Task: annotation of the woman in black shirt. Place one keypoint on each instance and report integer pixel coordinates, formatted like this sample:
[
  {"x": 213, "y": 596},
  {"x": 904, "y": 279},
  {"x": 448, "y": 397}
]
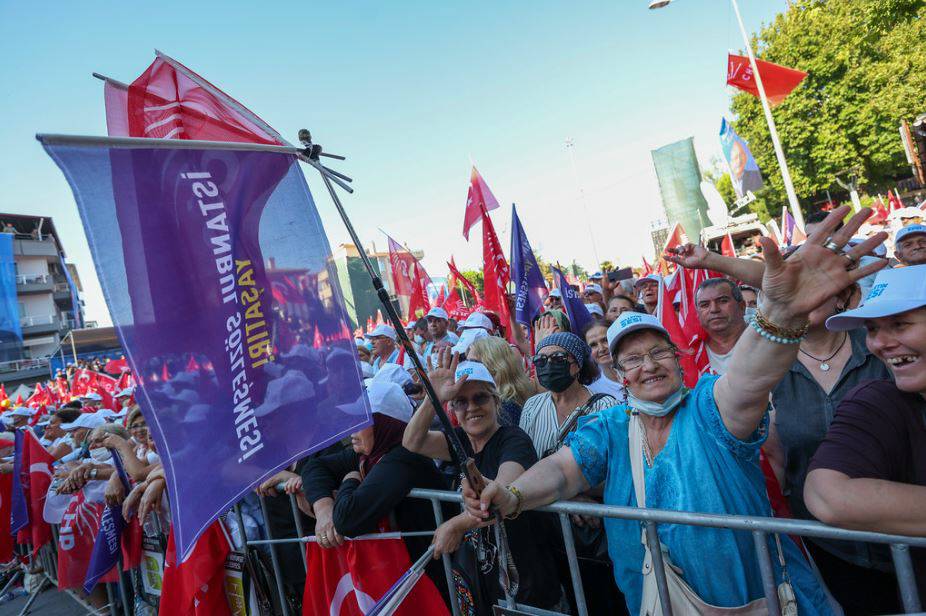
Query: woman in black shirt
[
  {"x": 501, "y": 453},
  {"x": 353, "y": 491}
]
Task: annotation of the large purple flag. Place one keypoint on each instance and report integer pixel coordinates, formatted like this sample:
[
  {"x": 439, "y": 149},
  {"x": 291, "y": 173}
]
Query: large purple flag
[
  {"x": 19, "y": 508},
  {"x": 578, "y": 314},
  {"x": 530, "y": 289},
  {"x": 192, "y": 242}
]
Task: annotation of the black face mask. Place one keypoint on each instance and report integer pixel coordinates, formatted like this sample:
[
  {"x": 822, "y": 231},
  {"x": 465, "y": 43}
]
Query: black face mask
[{"x": 555, "y": 376}]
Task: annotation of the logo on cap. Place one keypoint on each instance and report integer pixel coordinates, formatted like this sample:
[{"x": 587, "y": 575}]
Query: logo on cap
[{"x": 876, "y": 291}]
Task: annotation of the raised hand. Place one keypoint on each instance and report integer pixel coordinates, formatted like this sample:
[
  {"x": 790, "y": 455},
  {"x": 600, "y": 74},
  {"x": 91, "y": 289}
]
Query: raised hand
[
  {"x": 691, "y": 256},
  {"x": 442, "y": 374},
  {"x": 545, "y": 327},
  {"x": 817, "y": 270}
]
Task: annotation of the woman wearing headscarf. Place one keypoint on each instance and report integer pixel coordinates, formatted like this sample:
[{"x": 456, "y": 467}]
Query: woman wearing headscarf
[
  {"x": 353, "y": 491},
  {"x": 675, "y": 449},
  {"x": 501, "y": 453},
  {"x": 565, "y": 369}
]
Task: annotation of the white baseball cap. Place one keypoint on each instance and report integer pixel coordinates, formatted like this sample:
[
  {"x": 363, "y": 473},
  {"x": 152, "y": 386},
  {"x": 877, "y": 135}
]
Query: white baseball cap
[
  {"x": 909, "y": 230},
  {"x": 629, "y": 322},
  {"x": 438, "y": 313},
  {"x": 392, "y": 373},
  {"x": 473, "y": 371},
  {"x": 125, "y": 393},
  {"x": 92, "y": 395},
  {"x": 21, "y": 411},
  {"x": 477, "y": 319},
  {"x": 894, "y": 291},
  {"x": 467, "y": 338},
  {"x": 556, "y": 293},
  {"x": 592, "y": 287},
  {"x": 86, "y": 420},
  {"x": 389, "y": 399},
  {"x": 653, "y": 277},
  {"x": 381, "y": 330},
  {"x": 594, "y": 309}
]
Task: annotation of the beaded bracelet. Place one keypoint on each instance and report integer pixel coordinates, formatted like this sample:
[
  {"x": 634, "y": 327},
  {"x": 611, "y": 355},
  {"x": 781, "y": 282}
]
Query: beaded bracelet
[
  {"x": 778, "y": 330},
  {"x": 754, "y": 323}
]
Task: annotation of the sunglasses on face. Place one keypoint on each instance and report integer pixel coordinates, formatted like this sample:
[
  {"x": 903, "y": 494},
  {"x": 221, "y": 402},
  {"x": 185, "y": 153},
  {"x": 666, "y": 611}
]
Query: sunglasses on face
[
  {"x": 554, "y": 358},
  {"x": 461, "y": 404}
]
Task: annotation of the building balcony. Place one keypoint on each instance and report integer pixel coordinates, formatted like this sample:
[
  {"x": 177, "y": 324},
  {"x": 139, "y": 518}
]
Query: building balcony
[
  {"x": 40, "y": 324},
  {"x": 27, "y": 246},
  {"x": 34, "y": 283},
  {"x": 62, "y": 292}
]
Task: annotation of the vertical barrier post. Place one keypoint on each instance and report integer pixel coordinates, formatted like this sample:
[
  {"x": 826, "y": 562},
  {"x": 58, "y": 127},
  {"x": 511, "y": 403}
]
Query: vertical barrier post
[
  {"x": 123, "y": 593},
  {"x": 906, "y": 579},
  {"x": 448, "y": 570},
  {"x": 768, "y": 574},
  {"x": 655, "y": 550},
  {"x": 241, "y": 529},
  {"x": 277, "y": 574},
  {"x": 573, "y": 564},
  {"x": 112, "y": 599},
  {"x": 297, "y": 520}
]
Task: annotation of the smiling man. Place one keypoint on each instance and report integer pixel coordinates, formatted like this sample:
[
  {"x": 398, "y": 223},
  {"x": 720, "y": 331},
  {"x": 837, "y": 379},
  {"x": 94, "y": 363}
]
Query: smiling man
[
  {"x": 720, "y": 308},
  {"x": 910, "y": 245}
]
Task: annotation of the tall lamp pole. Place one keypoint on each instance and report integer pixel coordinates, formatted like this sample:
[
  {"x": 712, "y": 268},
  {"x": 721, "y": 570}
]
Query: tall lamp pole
[{"x": 776, "y": 142}]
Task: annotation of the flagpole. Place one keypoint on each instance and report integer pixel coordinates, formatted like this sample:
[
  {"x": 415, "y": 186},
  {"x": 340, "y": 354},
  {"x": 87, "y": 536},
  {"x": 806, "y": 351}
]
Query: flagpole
[{"x": 776, "y": 142}]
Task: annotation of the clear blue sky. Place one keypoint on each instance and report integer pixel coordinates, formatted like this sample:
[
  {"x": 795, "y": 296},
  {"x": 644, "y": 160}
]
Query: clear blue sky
[{"x": 410, "y": 92}]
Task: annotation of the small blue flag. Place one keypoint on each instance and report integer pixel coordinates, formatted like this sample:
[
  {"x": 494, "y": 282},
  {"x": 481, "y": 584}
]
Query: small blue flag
[
  {"x": 530, "y": 289},
  {"x": 108, "y": 543},
  {"x": 578, "y": 314}
]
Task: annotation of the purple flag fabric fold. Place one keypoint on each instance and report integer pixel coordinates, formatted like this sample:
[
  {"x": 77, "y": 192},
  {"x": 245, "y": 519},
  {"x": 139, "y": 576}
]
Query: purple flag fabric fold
[
  {"x": 108, "y": 543},
  {"x": 578, "y": 314},
  {"x": 19, "y": 508},
  {"x": 530, "y": 288},
  {"x": 219, "y": 254}
]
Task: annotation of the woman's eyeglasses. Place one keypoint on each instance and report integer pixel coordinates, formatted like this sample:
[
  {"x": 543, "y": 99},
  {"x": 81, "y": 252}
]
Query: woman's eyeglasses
[
  {"x": 632, "y": 362},
  {"x": 138, "y": 427},
  {"x": 555, "y": 358},
  {"x": 461, "y": 404}
]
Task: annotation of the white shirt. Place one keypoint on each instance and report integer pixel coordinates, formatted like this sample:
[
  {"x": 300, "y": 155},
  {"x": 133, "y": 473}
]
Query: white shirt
[
  {"x": 539, "y": 419},
  {"x": 604, "y": 385},
  {"x": 720, "y": 364}
]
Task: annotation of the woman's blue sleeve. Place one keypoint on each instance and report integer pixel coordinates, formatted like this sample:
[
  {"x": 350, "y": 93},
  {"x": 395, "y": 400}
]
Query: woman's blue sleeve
[{"x": 590, "y": 446}]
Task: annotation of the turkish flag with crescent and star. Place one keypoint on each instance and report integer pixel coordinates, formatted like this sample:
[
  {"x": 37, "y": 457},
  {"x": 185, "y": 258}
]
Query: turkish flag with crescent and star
[{"x": 350, "y": 579}]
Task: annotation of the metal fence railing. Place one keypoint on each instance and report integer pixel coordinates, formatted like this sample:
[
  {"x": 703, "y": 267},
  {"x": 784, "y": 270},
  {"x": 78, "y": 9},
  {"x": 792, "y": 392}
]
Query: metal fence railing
[{"x": 122, "y": 595}]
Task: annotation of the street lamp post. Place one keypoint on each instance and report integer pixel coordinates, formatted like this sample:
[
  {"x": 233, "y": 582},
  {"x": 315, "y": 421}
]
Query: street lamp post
[{"x": 776, "y": 142}]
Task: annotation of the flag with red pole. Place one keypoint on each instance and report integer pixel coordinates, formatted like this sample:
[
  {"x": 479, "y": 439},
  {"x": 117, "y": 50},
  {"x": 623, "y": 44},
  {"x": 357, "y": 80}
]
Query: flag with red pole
[
  {"x": 894, "y": 199},
  {"x": 777, "y": 80}
]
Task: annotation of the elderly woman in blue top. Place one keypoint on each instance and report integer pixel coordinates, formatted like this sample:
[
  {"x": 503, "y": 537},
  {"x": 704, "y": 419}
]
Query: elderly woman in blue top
[{"x": 700, "y": 447}]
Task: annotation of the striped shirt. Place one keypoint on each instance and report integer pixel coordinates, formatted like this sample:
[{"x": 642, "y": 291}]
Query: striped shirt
[{"x": 539, "y": 420}]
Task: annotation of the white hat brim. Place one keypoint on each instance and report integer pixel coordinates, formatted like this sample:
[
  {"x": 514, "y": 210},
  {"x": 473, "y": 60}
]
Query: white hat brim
[{"x": 884, "y": 308}]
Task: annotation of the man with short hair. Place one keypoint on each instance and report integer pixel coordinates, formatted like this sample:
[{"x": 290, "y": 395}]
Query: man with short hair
[
  {"x": 720, "y": 307},
  {"x": 385, "y": 351},
  {"x": 593, "y": 295},
  {"x": 750, "y": 295},
  {"x": 910, "y": 245},
  {"x": 647, "y": 290},
  {"x": 555, "y": 300},
  {"x": 437, "y": 326}
]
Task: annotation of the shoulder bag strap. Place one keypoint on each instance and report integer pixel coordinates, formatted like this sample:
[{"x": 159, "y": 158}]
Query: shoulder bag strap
[
  {"x": 570, "y": 423},
  {"x": 635, "y": 439}
]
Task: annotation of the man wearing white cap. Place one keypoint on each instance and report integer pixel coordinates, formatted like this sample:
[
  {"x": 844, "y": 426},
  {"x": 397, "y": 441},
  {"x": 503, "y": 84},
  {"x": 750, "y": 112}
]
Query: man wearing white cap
[
  {"x": 385, "y": 351},
  {"x": 910, "y": 245},
  {"x": 438, "y": 320},
  {"x": 555, "y": 300},
  {"x": 20, "y": 416},
  {"x": 478, "y": 320},
  {"x": 593, "y": 294},
  {"x": 647, "y": 290},
  {"x": 870, "y": 471}
]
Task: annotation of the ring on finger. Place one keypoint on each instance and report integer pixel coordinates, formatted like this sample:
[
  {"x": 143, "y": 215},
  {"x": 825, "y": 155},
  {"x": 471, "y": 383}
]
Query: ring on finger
[{"x": 831, "y": 245}]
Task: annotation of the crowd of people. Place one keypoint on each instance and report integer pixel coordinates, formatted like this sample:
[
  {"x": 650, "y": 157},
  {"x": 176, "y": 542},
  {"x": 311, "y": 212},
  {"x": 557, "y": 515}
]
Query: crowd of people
[{"x": 809, "y": 402}]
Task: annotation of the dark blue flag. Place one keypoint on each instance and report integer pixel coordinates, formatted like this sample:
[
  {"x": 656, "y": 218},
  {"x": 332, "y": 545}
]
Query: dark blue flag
[
  {"x": 578, "y": 314},
  {"x": 530, "y": 289},
  {"x": 19, "y": 507},
  {"x": 108, "y": 543},
  {"x": 218, "y": 251}
]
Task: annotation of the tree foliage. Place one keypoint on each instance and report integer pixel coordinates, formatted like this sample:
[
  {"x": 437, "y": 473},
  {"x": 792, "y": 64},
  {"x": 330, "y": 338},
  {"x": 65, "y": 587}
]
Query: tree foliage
[
  {"x": 866, "y": 65},
  {"x": 475, "y": 277}
]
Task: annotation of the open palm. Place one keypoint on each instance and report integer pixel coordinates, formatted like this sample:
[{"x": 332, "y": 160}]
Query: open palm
[{"x": 442, "y": 375}]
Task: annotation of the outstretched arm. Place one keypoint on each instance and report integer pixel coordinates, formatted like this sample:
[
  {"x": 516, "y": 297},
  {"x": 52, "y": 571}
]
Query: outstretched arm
[{"x": 699, "y": 257}]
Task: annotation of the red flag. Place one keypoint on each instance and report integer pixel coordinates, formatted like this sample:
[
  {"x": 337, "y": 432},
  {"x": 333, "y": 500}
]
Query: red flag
[
  {"x": 441, "y": 297},
  {"x": 777, "y": 80},
  {"x": 6, "y": 498},
  {"x": 879, "y": 212},
  {"x": 727, "y": 248},
  {"x": 116, "y": 366},
  {"x": 350, "y": 579},
  {"x": 169, "y": 101},
  {"x": 402, "y": 265},
  {"x": 192, "y": 365},
  {"x": 165, "y": 375},
  {"x": 370, "y": 325},
  {"x": 677, "y": 237},
  {"x": 125, "y": 381},
  {"x": 479, "y": 201},
  {"x": 647, "y": 268},
  {"x": 456, "y": 276},
  {"x": 196, "y": 586},
  {"x": 82, "y": 382},
  {"x": 132, "y": 545},
  {"x": 894, "y": 199},
  {"x": 495, "y": 274},
  {"x": 379, "y": 317},
  {"x": 419, "y": 303},
  {"x": 19, "y": 400},
  {"x": 665, "y": 312},
  {"x": 107, "y": 387},
  {"x": 3, "y": 395},
  {"x": 39, "y": 463},
  {"x": 76, "y": 536}
]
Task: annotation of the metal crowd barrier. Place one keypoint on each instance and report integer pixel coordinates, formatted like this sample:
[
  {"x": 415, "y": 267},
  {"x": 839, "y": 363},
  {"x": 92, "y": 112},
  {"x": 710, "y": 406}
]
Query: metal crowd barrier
[{"x": 758, "y": 527}]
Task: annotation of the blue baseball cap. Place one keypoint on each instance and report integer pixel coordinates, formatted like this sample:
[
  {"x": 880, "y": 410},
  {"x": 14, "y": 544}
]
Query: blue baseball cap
[{"x": 907, "y": 231}]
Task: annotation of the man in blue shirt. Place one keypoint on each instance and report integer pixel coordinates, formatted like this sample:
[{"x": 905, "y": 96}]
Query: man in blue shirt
[
  {"x": 385, "y": 351},
  {"x": 438, "y": 320}
]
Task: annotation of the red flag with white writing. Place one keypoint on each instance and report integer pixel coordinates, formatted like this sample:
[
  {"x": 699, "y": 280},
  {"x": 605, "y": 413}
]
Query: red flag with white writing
[
  {"x": 495, "y": 275},
  {"x": 83, "y": 381},
  {"x": 76, "y": 536},
  {"x": 350, "y": 579},
  {"x": 479, "y": 201},
  {"x": 196, "y": 586},
  {"x": 778, "y": 81}
]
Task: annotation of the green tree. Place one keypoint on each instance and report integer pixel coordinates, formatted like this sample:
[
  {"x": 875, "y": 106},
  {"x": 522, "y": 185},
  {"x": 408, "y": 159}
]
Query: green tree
[
  {"x": 606, "y": 265},
  {"x": 866, "y": 66},
  {"x": 475, "y": 277}
]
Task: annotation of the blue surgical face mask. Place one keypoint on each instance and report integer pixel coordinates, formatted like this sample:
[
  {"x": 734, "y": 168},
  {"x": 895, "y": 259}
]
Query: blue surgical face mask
[{"x": 657, "y": 409}]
